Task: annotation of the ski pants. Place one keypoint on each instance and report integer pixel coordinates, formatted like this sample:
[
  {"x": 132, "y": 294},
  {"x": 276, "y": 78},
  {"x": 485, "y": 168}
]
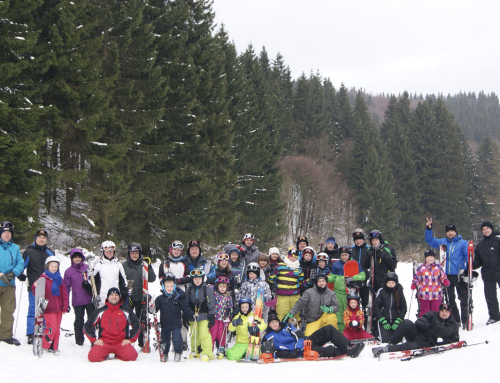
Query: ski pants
[
  {"x": 7, "y": 308},
  {"x": 137, "y": 307},
  {"x": 342, "y": 300},
  {"x": 356, "y": 333},
  {"x": 52, "y": 321},
  {"x": 461, "y": 288},
  {"x": 173, "y": 334},
  {"x": 80, "y": 320},
  {"x": 237, "y": 352},
  {"x": 202, "y": 336},
  {"x": 126, "y": 353},
  {"x": 329, "y": 334},
  {"x": 408, "y": 330},
  {"x": 325, "y": 319},
  {"x": 218, "y": 334},
  {"x": 384, "y": 335},
  {"x": 428, "y": 305},
  {"x": 490, "y": 294},
  {"x": 30, "y": 319},
  {"x": 284, "y": 304}
]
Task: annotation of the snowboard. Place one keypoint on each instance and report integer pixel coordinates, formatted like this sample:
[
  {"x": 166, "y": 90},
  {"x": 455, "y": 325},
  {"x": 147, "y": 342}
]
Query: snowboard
[
  {"x": 351, "y": 268},
  {"x": 253, "y": 350}
]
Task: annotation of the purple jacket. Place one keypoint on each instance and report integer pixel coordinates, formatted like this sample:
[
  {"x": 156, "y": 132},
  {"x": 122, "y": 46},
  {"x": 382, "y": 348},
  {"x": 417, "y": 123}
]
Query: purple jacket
[{"x": 73, "y": 280}]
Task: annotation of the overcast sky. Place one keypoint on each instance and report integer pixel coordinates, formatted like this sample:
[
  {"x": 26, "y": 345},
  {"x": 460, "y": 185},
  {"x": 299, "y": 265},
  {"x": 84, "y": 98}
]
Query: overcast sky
[{"x": 389, "y": 46}]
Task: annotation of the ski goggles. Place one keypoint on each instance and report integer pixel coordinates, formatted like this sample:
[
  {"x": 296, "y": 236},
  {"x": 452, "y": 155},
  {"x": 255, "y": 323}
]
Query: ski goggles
[
  {"x": 322, "y": 257},
  {"x": 108, "y": 248},
  {"x": 248, "y": 236},
  {"x": 7, "y": 224},
  {"x": 302, "y": 239},
  {"x": 357, "y": 235},
  {"x": 177, "y": 245},
  {"x": 445, "y": 306},
  {"x": 197, "y": 273},
  {"x": 193, "y": 243},
  {"x": 221, "y": 257},
  {"x": 41, "y": 232},
  {"x": 222, "y": 280}
]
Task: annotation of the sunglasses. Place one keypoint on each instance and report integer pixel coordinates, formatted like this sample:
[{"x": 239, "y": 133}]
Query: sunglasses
[
  {"x": 196, "y": 273},
  {"x": 177, "y": 245}
]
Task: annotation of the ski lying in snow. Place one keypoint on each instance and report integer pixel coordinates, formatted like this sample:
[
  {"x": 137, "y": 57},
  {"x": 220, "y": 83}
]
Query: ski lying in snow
[
  {"x": 410, "y": 354},
  {"x": 302, "y": 359}
]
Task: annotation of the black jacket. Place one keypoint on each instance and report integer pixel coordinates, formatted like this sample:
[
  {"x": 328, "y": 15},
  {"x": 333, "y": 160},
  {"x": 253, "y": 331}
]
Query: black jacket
[
  {"x": 133, "y": 271},
  {"x": 172, "y": 308},
  {"x": 487, "y": 256},
  {"x": 360, "y": 253},
  {"x": 36, "y": 265},
  {"x": 447, "y": 329},
  {"x": 385, "y": 304},
  {"x": 385, "y": 262}
]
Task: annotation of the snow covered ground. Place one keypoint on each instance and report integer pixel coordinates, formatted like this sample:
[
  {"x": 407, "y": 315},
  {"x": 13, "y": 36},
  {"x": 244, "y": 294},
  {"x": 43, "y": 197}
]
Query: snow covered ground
[{"x": 478, "y": 362}]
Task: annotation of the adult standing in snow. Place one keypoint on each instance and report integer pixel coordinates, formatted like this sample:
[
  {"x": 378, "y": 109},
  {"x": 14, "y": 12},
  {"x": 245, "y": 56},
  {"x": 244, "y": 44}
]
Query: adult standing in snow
[
  {"x": 456, "y": 264},
  {"x": 34, "y": 257},
  {"x": 113, "y": 339},
  {"x": 251, "y": 253},
  {"x": 384, "y": 258},
  {"x": 11, "y": 265},
  {"x": 359, "y": 253},
  {"x": 108, "y": 273},
  {"x": 175, "y": 263},
  {"x": 196, "y": 260},
  {"x": 487, "y": 256}
]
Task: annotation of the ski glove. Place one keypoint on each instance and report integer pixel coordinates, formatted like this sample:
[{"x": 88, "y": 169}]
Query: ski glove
[
  {"x": 287, "y": 317},
  {"x": 326, "y": 309},
  {"x": 295, "y": 353},
  {"x": 21, "y": 277},
  {"x": 186, "y": 321},
  {"x": 348, "y": 280},
  {"x": 383, "y": 322},
  {"x": 396, "y": 324},
  {"x": 211, "y": 321},
  {"x": 152, "y": 310},
  {"x": 87, "y": 287},
  {"x": 148, "y": 260},
  {"x": 237, "y": 322},
  {"x": 446, "y": 283},
  {"x": 253, "y": 330},
  {"x": 413, "y": 286}
]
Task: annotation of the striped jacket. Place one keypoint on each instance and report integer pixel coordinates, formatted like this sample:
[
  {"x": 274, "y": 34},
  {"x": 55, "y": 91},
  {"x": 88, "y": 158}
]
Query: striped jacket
[
  {"x": 429, "y": 279},
  {"x": 287, "y": 279}
]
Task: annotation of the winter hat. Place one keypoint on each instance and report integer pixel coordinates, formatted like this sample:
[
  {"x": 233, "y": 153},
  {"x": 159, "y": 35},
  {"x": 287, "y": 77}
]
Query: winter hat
[
  {"x": 391, "y": 277},
  {"x": 273, "y": 250},
  {"x": 331, "y": 239},
  {"x": 320, "y": 276},
  {"x": 450, "y": 227},
  {"x": 487, "y": 224},
  {"x": 272, "y": 316},
  {"x": 429, "y": 253},
  {"x": 113, "y": 290}
]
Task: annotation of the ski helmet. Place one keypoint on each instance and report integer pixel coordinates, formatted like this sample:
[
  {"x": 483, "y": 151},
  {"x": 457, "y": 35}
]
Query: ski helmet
[
  {"x": 345, "y": 250},
  {"x": 392, "y": 276},
  {"x": 221, "y": 279},
  {"x": 322, "y": 257},
  {"x": 134, "y": 246},
  {"x": 194, "y": 243},
  {"x": 168, "y": 277},
  {"x": 358, "y": 234},
  {"x": 245, "y": 300},
  {"x": 51, "y": 258},
  {"x": 248, "y": 236},
  {"x": 7, "y": 226},
  {"x": 308, "y": 250},
  {"x": 351, "y": 297},
  {"x": 108, "y": 246},
  {"x": 176, "y": 245},
  {"x": 302, "y": 239},
  {"x": 254, "y": 268},
  {"x": 41, "y": 232},
  {"x": 376, "y": 234}
]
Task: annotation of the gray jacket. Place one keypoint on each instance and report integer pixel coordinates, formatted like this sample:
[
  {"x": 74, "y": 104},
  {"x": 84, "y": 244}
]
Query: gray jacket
[
  {"x": 309, "y": 303},
  {"x": 250, "y": 255}
]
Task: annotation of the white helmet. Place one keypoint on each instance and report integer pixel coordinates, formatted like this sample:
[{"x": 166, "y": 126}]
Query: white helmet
[
  {"x": 107, "y": 245},
  {"x": 51, "y": 258},
  {"x": 248, "y": 236}
]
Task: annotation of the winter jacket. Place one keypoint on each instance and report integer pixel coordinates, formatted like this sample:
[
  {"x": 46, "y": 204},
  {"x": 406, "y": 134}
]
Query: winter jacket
[
  {"x": 109, "y": 273},
  {"x": 251, "y": 253},
  {"x": 242, "y": 335},
  {"x": 11, "y": 262},
  {"x": 113, "y": 322},
  {"x": 191, "y": 264},
  {"x": 429, "y": 279},
  {"x": 218, "y": 272},
  {"x": 73, "y": 279},
  {"x": 172, "y": 308},
  {"x": 287, "y": 277},
  {"x": 456, "y": 251},
  {"x": 309, "y": 271},
  {"x": 385, "y": 261},
  {"x": 177, "y": 266},
  {"x": 385, "y": 304},
  {"x": 201, "y": 300},
  {"x": 447, "y": 329},
  {"x": 36, "y": 264},
  {"x": 134, "y": 272},
  {"x": 351, "y": 315},
  {"x": 56, "y": 303},
  {"x": 359, "y": 253},
  {"x": 333, "y": 255},
  {"x": 249, "y": 289},
  {"x": 309, "y": 303},
  {"x": 223, "y": 306},
  {"x": 287, "y": 338},
  {"x": 337, "y": 277},
  {"x": 487, "y": 256}
]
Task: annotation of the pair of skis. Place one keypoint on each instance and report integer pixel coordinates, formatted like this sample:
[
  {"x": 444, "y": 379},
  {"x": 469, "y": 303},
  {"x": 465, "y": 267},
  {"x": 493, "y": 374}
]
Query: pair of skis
[
  {"x": 40, "y": 330},
  {"x": 421, "y": 352},
  {"x": 145, "y": 322},
  {"x": 253, "y": 350}
]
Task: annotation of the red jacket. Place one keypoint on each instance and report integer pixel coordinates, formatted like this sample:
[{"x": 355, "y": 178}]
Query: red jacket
[
  {"x": 113, "y": 322},
  {"x": 56, "y": 303}
]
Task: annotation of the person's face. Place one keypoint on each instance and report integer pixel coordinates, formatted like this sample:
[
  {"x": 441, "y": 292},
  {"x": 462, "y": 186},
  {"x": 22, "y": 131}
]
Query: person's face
[
  {"x": 444, "y": 314},
  {"x": 223, "y": 263},
  {"x": 344, "y": 257},
  {"x": 222, "y": 287},
  {"x": 292, "y": 258},
  {"x": 6, "y": 236},
  {"x": 234, "y": 256},
  {"x": 252, "y": 275},
  {"x": 248, "y": 242},
  {"x": 109, "y": 253},
  {"x": 321, "y": 283},
  {"x": 197, "y": 281},
  {"x": 41, "y": 240},
  {"x": 359, "y": 242},
  {"x": 486, "y": 231},
  {"x": 77, "y": 259},
  {"x": 353, "y": 304},
  {"x": 134, "y": 255},
  {"x": 169, "y": 286},
  {"x": 375, "y": 242},
  {"x": 53, "y": 267},
  {"x": 176, "y": 252},
  {"x": 274, "y": 256},
  {"x": 451, "y": 234},
  {"x": 194, "y": 252},
  {"x": 321, "y": 264},
  {"x": 391, "y": 284},
  {"x": 330, "y": 246},
  {"x": 244, "y": 308},
  {"x": 114, "y": 298},
  {"x": 275, "y": 325},
  {"x": 307, "y": 256},
  {"x": 262, "y": 264},
  {"x": 429, "y": 259},
  {"x": 302, "y": 246}
]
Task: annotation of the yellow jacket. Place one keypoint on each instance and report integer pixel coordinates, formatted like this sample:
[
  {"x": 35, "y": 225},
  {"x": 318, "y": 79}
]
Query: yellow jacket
[{"x": 242, "y": 335}]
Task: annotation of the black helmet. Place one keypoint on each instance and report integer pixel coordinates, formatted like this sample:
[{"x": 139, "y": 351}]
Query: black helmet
[
  {"x": 345, "y": 250},
  {"x": 302, "y": 238},
  {"x": 376, "y": 234},
  {"x": 168, "y": 277},
  {"x": 134, "y": 246}
]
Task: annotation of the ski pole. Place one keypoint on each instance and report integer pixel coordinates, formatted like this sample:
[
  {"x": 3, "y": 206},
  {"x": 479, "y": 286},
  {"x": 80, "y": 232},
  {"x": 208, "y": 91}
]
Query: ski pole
[
  {"x": 409, "y": 310},
  {"x": 17, "y": 318}
]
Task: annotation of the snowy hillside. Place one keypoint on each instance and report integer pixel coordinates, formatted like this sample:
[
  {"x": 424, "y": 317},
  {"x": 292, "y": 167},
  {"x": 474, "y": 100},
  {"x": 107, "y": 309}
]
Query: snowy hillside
[{"x": 478, "y": 362}]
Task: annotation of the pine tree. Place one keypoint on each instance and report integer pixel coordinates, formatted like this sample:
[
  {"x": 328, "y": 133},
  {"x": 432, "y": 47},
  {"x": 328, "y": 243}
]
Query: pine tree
[{"x": 488, "y": 166}]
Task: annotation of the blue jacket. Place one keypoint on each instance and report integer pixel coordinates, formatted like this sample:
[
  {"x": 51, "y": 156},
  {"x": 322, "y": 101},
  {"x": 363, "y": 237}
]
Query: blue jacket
[
  {"x": 285, "y": 339},
  {"x": 456, "y": 252},
  {"x": 11, "y": 260}
]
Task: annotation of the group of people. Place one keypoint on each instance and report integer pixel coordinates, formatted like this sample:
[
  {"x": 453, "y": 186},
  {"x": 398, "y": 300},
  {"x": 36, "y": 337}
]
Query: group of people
[{"x": 306, "y": 295}]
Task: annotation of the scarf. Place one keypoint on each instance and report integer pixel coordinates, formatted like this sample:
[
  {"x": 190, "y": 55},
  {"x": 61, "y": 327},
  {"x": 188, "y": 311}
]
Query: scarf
[
  {"x": 57, "y": 281},
  {"x": 290, "y": 264}
]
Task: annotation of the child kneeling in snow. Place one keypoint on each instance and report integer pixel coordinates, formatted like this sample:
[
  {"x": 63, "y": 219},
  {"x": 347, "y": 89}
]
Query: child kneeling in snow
[{"x": 354, "y": 319}]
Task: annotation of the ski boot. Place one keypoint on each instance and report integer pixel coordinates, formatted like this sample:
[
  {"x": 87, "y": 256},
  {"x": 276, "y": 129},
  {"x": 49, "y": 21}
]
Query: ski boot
[
  {"x": 194, "y": 355},
  {"x": 177, "y": 357},
  {"x": 379, "y": 350},
  {"x": 354, "y": 350},
  {"x": 30, "y": 339},
  {"x": 491, "y": 321},
  {"x": 220, "y": 355},
  {"x": 54, "y": 352},
  {"x": 205, "y": 358}
]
